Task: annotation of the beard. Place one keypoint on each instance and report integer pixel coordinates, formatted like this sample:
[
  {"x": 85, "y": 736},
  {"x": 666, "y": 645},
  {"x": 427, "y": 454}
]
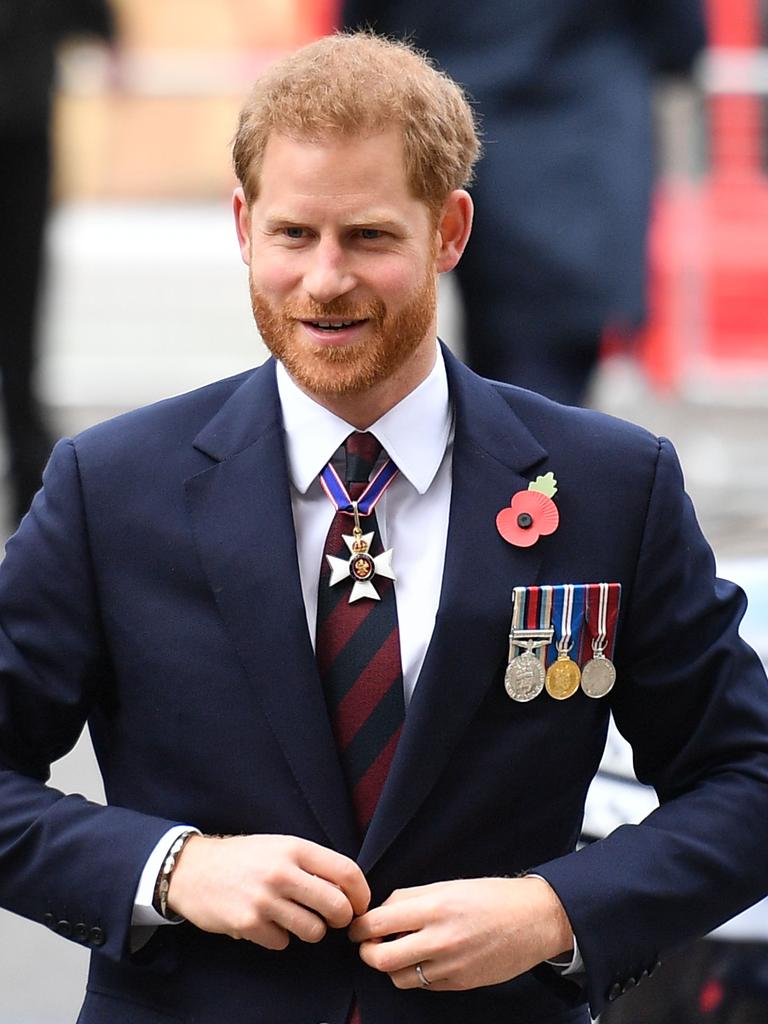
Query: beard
[{"x": 391, "y": 338}]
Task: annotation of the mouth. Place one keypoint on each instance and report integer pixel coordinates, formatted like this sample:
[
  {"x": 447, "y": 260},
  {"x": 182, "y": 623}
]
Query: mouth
[
  {"x": 333, "y": 332},
  {"x": 332, "y": 325}
]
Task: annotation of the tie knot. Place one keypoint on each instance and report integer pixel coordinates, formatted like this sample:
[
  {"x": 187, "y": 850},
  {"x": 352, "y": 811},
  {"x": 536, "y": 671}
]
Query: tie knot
[{"x": 362, "y": 451}]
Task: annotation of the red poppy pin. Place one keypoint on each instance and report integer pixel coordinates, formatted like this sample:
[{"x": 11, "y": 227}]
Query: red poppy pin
[{"x": 531, "y": 514}]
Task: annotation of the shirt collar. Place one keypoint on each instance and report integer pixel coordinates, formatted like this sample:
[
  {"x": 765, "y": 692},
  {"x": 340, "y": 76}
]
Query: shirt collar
[{"x": 415, "y": 433}]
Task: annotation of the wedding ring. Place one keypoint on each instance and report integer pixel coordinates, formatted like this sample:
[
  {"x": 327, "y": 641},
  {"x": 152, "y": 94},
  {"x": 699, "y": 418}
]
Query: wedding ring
[{"x": 423, "y": 980}]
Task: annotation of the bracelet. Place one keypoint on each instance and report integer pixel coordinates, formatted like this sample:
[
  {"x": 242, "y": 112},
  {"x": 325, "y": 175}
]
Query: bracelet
[{"x": 164, "y": 878}]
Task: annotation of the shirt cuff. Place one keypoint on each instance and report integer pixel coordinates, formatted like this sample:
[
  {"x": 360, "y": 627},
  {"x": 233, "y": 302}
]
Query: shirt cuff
[
  {"x": 144, "y": 913},
  {"x": 569, "y": 964}
]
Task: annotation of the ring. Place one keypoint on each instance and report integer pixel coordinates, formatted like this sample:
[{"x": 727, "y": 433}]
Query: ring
[{"x": 423, "y": 980}]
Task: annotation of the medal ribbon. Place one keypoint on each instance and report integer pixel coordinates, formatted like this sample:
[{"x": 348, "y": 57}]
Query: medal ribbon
[
  {"x": 568, "y": 610},
  {"x": 602, "y": 612},
  {"x": 531, "y": 609},
  {"x": 339, "y": 497}
]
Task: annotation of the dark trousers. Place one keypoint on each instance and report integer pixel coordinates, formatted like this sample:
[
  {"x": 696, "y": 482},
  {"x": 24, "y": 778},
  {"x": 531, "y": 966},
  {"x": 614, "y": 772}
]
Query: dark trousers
[{"x": 24, "y": 192}]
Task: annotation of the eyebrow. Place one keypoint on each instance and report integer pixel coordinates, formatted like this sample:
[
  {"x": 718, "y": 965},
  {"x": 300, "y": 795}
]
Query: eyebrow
[{"x": 373, "y": 219}]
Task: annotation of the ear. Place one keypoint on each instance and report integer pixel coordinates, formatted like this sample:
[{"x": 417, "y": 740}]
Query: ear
[
  {"x": 453, "y": 228},
  {"x": 242, "y": 223}
]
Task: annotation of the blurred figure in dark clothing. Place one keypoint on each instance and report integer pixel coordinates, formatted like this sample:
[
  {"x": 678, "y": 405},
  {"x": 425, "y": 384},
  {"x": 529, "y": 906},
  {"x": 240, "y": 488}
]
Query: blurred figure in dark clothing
[
  {"x": 713, "y": 982},
  {"x": 30, "y": 31},
  {"x": 564, "y": 90}
]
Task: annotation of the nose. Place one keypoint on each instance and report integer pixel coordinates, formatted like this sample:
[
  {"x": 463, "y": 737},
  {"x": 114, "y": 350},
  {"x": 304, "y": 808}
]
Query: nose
[{"x": 328, "y": 276}]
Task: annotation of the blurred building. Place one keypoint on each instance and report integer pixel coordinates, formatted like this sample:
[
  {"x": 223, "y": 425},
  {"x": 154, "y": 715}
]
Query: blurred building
[{"x": 163, "y": 132}]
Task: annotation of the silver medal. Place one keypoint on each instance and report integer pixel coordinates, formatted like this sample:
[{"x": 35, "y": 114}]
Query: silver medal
[
  {"x": 524, "y": 678},
  {"x": 525, "y": 674},
  {"x": 598, "y": 676}
]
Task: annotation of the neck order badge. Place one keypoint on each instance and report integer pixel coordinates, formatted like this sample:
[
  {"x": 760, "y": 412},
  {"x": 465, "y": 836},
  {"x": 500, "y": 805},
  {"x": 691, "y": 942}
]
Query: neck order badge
[
  {"x": 358, "y": 639},
  {"x": 359, "y": 499}
]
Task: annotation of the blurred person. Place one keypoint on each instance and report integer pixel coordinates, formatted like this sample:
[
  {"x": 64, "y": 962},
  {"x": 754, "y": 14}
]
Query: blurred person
[
  {"x": 564, "y": 90},
  {"x": 282, "y": 603},
  {"x": 30, "y": 31}
]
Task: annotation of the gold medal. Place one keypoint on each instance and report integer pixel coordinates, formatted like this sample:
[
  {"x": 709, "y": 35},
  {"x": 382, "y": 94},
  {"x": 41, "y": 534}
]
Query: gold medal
[{"x": 563, "y": 677}]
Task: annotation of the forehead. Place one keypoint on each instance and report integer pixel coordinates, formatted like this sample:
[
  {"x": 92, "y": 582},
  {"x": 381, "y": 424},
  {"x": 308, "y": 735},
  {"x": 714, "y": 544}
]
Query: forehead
[{"x": 341, "y": 175}]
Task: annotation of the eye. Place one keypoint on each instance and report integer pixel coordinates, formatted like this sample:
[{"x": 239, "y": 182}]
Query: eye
[
  {"x": 295, "y": 233},
  {"x": 371, "y": 234}
]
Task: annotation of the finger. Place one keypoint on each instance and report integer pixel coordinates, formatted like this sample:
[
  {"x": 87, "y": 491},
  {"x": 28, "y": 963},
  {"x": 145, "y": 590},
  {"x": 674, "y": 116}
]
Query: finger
[
  {"x": 408, "y": 977},
  {"x": 398, "y": 895},
  {"x": 390, "y": 957},
  {"x": 268, "y": 935},
  {"x": 408, "y": 916},
  {"x": 324, "y": 898},
  {"x": 338, "y": 869},
  {"x": 298, "y": 921}
]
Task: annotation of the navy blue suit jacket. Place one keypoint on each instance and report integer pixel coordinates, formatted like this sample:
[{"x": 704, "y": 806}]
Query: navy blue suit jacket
[{"x": 153, "y": 591}]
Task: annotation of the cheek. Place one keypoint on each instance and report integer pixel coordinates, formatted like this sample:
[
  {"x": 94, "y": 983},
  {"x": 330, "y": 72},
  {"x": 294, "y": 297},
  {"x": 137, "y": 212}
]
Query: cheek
[
  {"x": 396, "y": 282},
  {"x": 274, "y": 275},
  {"x": 273, "y": 280}
]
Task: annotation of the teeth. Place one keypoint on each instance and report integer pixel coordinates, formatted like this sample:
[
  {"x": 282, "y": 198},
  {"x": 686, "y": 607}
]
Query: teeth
[{"x": 333, "y": 325}]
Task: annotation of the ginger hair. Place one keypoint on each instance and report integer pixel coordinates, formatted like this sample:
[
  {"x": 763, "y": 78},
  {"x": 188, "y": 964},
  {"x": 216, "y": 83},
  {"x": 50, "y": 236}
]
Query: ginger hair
[{"x": 360, "y": 84}]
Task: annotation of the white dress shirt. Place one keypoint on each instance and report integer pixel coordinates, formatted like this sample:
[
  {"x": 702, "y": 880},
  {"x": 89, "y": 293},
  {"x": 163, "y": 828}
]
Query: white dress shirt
[
  {"x": 412, "y": 514},
  {"x": 417, "y": 434}
]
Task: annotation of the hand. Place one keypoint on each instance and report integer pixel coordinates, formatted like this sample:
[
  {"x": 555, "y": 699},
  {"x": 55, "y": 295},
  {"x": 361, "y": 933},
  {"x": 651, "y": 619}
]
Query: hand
[
  {"x": 465, "y": 934},
  {"x": 265, "y": 888}
]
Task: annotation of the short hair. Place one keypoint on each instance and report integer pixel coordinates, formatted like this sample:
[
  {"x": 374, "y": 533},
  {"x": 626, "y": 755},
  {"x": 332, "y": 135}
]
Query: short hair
[{"x": 361, "y": 84}]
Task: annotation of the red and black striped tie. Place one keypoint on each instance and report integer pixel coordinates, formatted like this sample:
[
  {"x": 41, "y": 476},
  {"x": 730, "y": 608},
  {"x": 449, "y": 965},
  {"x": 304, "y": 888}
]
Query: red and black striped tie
[{"x": 358, "y": 651}]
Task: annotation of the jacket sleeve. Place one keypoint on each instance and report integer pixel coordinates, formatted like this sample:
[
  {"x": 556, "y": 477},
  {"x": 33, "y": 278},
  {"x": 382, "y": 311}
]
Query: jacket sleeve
[
  {"x": 692, "y": 699},
  {"x": 69, "y": 863}
]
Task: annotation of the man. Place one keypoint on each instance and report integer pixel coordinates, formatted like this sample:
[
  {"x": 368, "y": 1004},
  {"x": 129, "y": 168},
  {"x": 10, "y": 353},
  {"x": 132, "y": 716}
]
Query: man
[
  {"x": 30, "y": 32},
  {"x": 385, "y": 822},
  {"x": 564, "y": 90}
]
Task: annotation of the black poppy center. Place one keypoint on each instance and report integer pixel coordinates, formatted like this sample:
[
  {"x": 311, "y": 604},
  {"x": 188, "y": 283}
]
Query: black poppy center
[{"x": 525, "y": 520}]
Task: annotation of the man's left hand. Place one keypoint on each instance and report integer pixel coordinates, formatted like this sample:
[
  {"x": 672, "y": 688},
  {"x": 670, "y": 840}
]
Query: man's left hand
[{"x": 464, "y": 934}]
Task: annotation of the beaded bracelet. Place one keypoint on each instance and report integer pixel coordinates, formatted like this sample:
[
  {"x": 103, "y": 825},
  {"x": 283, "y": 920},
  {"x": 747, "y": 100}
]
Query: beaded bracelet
[{"x": 164, "y": 878}]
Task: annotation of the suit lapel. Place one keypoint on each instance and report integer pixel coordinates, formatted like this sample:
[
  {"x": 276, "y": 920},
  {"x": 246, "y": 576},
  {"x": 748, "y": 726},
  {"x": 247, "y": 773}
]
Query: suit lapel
[
  {"x": 243, "y": 523},
  {"x": 492, "y": 449}
]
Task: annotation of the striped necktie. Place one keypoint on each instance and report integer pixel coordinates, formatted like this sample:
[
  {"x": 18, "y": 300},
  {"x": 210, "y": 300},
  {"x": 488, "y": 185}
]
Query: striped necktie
[{"x": 358, "y": 651}]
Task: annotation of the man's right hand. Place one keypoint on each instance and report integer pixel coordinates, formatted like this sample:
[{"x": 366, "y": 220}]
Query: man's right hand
[{"x": 265, "y": 888}]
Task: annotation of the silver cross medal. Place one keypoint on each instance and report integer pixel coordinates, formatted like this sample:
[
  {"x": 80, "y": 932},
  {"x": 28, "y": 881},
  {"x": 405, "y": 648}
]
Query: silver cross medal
[{"x": 361, "y": 566}]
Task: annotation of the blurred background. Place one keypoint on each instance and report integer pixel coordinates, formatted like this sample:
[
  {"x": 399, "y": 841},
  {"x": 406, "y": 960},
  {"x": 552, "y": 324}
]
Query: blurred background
[{"x": 144, "y": 296}]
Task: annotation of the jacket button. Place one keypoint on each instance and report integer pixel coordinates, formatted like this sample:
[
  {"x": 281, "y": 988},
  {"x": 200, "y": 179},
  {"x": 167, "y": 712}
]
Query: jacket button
[
  {"x": 614, "y": 992},
  {"x": 628, "y": 984},
  {"x": 49, "y": 921},
  {"x": 653, "y": 967},
  {"x": 80, "y": 932},
  {"x": 64, "y": 928},
  {"x": 97, "y": 937}
]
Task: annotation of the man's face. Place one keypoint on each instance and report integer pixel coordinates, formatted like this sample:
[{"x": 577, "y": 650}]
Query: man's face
[{"x": 342, "y": 262}]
